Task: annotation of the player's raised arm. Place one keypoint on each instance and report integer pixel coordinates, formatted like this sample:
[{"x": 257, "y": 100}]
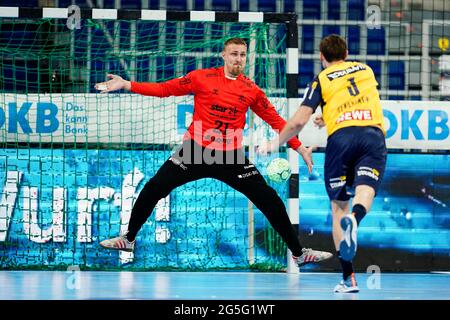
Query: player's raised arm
[
  {"x": 312, "y": 99},
  {"x": 295, "y": 124},
  {"x": 266, "y": 111}
]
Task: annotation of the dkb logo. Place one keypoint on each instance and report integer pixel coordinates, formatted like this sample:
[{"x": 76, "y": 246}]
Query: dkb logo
[{"x": 45, "y": 121}]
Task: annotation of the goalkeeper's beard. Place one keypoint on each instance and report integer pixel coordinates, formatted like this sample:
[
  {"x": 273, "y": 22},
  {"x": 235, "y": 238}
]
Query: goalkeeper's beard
[{"x": 236, "y": 70}]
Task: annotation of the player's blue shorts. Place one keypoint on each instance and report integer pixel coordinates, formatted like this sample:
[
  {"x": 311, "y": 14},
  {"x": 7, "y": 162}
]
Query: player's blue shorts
[{"x": 354, "y": 156}]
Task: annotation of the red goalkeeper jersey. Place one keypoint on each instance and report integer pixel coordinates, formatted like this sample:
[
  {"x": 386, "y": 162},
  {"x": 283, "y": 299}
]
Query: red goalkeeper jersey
[{"x": 220, "y": 106}]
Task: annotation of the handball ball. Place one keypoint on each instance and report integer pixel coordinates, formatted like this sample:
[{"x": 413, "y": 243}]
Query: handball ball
[{"x": 278, "y": 170}]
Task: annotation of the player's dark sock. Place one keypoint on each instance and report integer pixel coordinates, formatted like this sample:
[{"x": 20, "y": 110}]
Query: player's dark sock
[
  {"x": 359, "y": 212},
  {"x": 347, "y": 267}
]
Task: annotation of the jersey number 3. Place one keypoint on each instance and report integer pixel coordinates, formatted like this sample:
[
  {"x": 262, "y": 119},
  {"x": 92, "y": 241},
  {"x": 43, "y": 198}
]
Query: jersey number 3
[{"x": 353, "y": 90}]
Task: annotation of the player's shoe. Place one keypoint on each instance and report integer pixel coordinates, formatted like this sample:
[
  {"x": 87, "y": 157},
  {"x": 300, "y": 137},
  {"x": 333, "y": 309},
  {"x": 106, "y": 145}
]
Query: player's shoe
[
  {"x": 118, "y": 243},
  {"x": 311, "y": 256},
  {"x": 347, "y": 286},
  {"x": 348, "y": 245}
]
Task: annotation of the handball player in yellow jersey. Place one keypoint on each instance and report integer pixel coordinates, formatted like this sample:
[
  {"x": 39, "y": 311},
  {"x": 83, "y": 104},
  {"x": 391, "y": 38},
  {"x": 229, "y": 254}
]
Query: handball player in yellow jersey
[{"x": 356, "y": 153}]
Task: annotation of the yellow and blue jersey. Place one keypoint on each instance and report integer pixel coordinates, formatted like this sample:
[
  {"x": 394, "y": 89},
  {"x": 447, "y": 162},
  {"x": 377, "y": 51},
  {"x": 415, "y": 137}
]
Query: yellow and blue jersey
[{"x": 348, "y": 95}]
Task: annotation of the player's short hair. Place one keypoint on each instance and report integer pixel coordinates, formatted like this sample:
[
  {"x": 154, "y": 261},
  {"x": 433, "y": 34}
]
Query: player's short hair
[
  {"x": 333, "y": 48},
  {"x": 234, "y": 41}
]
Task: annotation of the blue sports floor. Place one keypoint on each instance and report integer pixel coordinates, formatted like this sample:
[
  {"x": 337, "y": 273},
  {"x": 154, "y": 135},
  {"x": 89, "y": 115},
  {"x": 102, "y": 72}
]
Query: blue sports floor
[{"x": 96, "y": 285}]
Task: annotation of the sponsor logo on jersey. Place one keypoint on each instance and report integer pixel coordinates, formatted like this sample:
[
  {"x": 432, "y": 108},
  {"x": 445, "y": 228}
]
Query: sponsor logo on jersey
[
  {"x": 185, "y": 81},
  {"x": 341, "y": 73},
  {"x": 230, "y": 110},
  {"x": 217, "y": 139},
  {"x": 355, "y": 115}
]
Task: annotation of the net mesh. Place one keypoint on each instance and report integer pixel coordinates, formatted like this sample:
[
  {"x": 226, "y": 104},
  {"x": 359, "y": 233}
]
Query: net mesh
[{"x": 74, "y": 160}]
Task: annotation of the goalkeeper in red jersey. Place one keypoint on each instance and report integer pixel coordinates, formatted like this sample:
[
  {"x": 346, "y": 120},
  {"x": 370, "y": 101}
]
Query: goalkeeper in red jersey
[{"x": 212, "y": 145}]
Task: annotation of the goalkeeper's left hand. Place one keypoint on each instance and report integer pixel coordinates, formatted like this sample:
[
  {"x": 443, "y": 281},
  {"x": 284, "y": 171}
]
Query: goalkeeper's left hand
[
  {"x": 306, "y": 154},
  {"x": 116, "y": 83}
]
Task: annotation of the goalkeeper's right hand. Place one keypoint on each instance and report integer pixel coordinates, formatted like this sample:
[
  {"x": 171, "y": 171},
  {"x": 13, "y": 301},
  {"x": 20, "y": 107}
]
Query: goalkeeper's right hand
[{"x": 116, "y": 83}]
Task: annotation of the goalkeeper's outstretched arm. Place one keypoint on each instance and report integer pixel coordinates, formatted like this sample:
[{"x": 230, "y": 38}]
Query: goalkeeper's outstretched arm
[{"x": 175, "y": 87}]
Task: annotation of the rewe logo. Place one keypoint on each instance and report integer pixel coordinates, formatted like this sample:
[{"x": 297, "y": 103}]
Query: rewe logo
[
  {"x": 355, "y": 115},
  {"x": 45, "y": 120}
]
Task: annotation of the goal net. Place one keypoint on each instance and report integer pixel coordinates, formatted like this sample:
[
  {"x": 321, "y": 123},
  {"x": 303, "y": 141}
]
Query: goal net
[{"x": 73, "y": 161}]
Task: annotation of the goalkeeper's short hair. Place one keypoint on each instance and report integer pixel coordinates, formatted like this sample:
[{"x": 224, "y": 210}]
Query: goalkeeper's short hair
[{"x": 234, "y": 41}]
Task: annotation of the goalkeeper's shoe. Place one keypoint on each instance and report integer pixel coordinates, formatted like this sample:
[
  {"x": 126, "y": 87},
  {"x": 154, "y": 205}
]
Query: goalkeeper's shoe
[
  {"x": 118, "y": 243},
  {"x": 348, "y": 285},
  {"x": 311, "y": 256},
  {"x": 348, "y": 245}
]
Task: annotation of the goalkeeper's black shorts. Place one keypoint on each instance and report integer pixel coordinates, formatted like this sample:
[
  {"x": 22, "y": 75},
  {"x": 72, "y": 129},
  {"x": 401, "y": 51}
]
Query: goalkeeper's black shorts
[{"x": 192, "y": 162}]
